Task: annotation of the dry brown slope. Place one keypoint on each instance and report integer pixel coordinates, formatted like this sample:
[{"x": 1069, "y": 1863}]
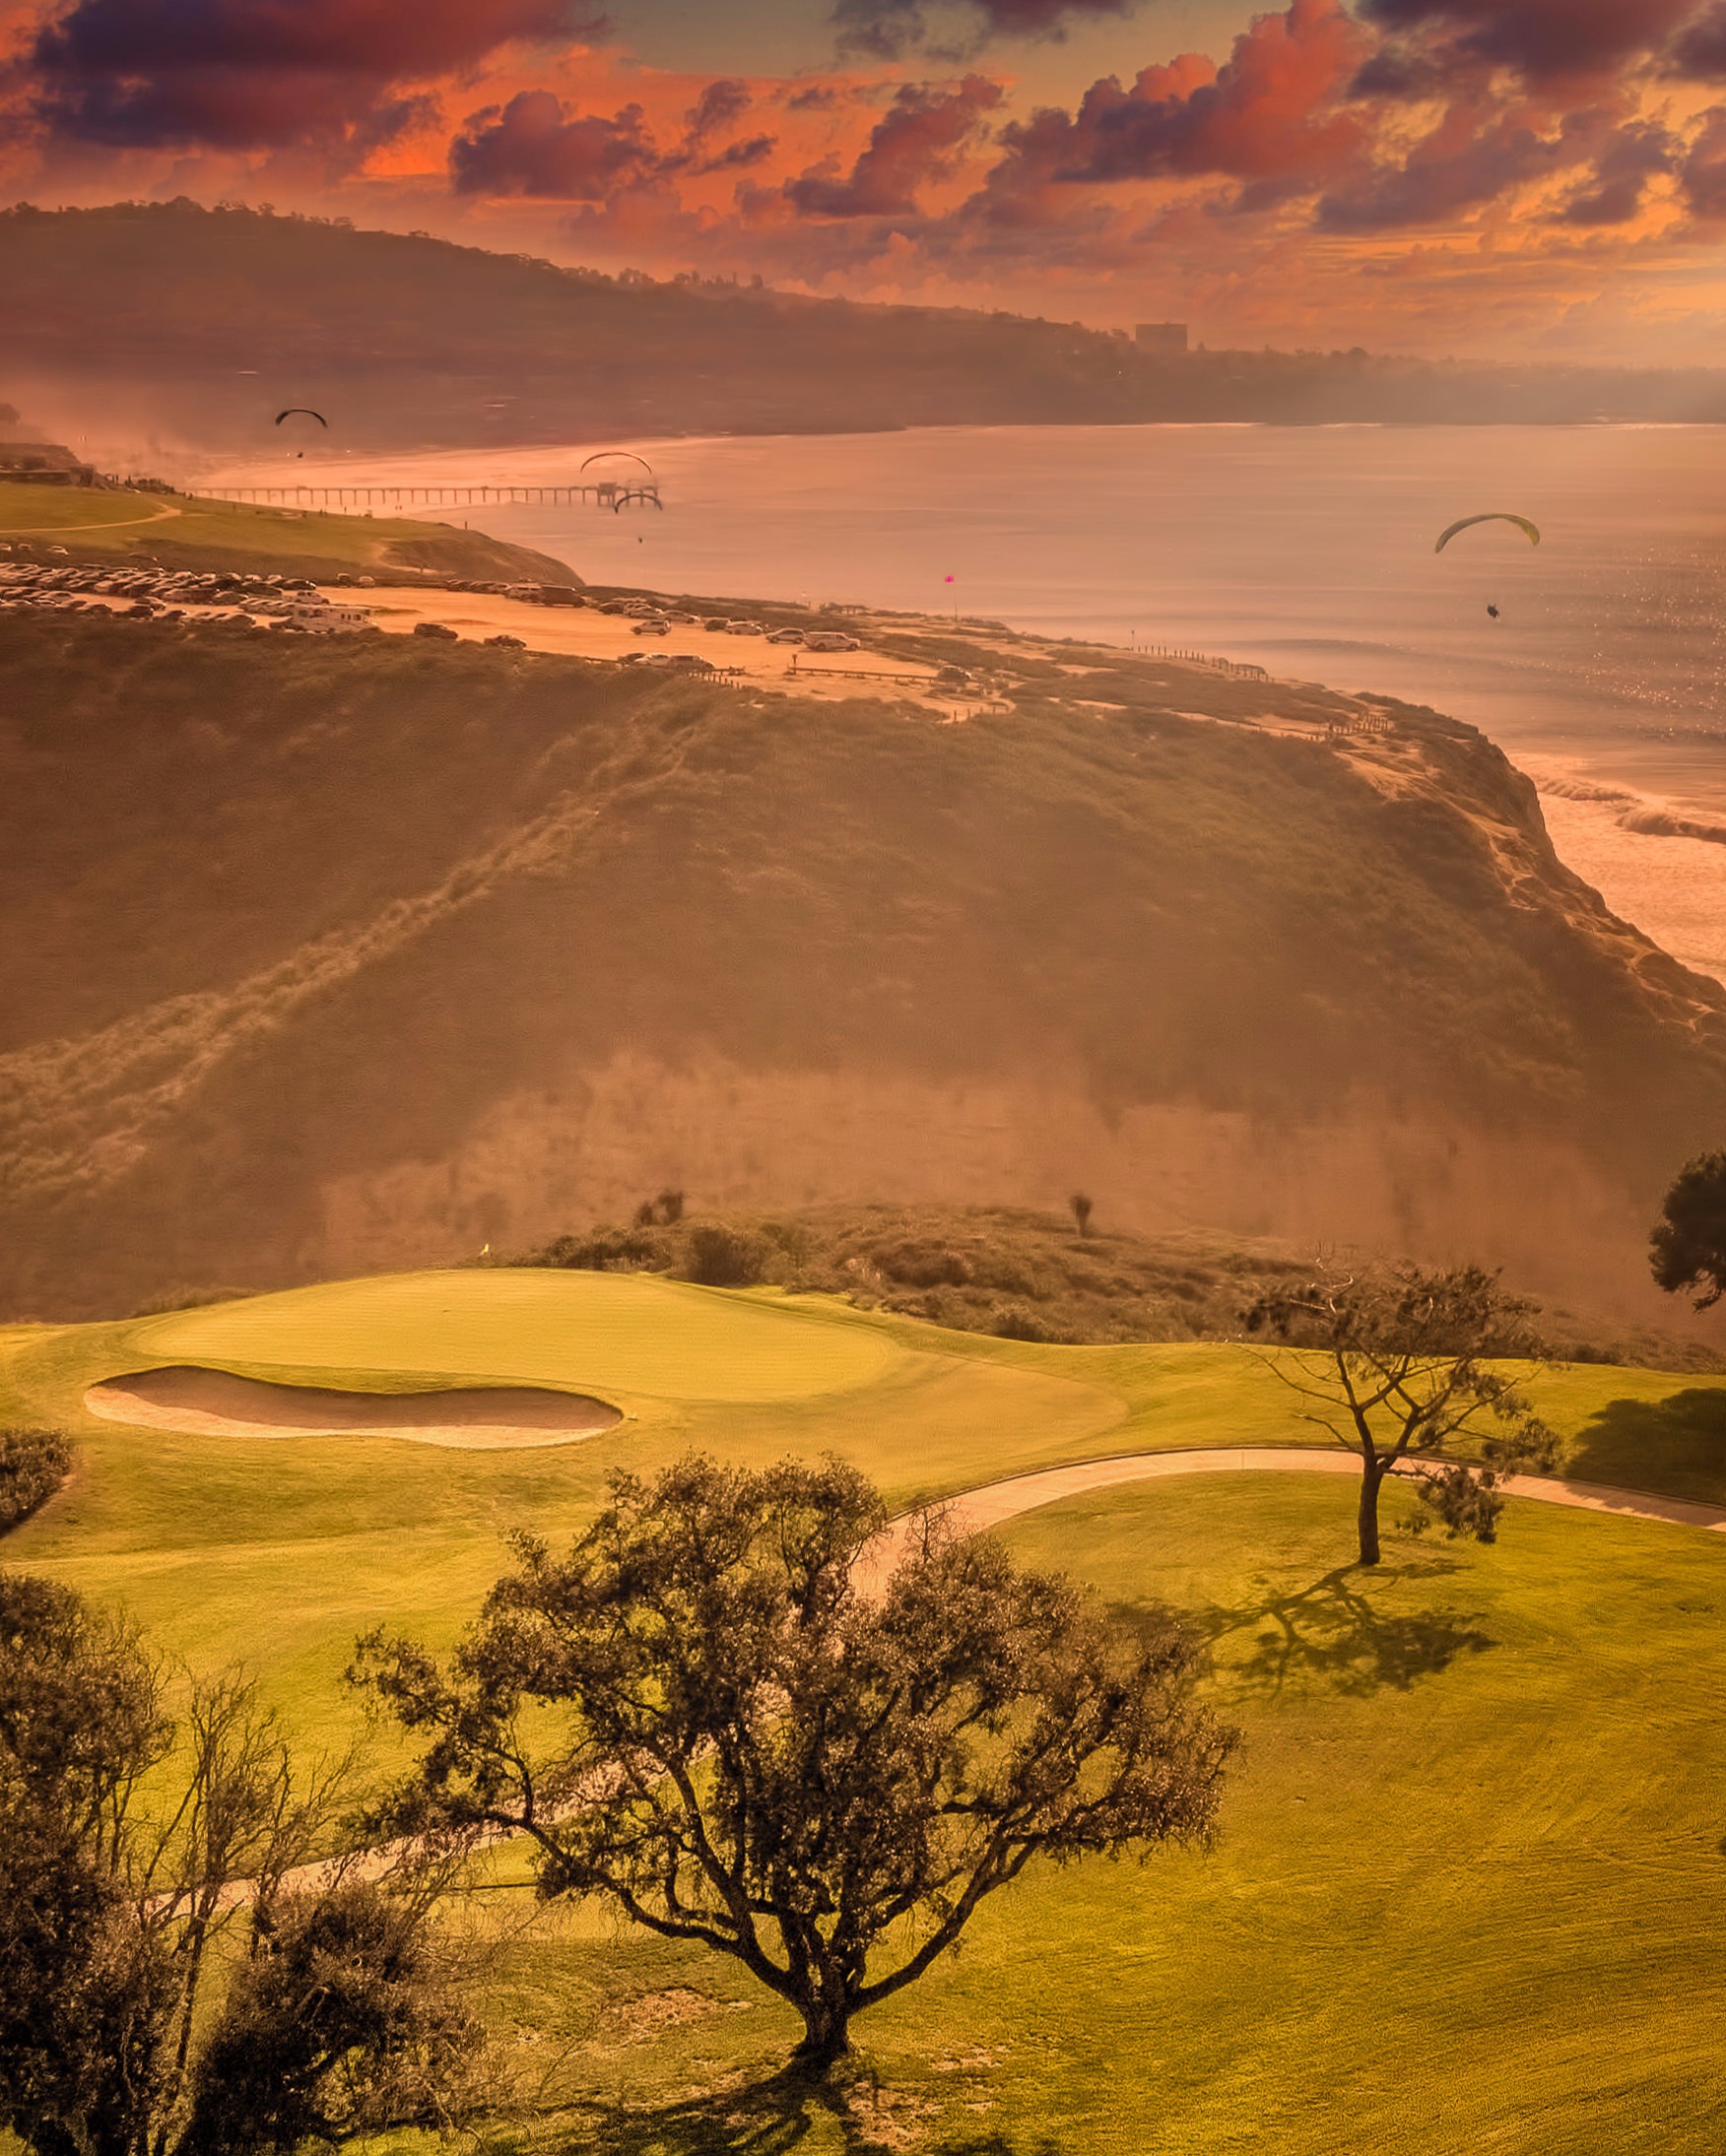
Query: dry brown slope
[{"x": 333, "y": 955}]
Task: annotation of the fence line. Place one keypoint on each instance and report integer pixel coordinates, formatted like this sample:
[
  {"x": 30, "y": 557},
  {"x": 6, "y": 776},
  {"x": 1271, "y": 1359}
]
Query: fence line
[{"x": 1203, "y": 658}]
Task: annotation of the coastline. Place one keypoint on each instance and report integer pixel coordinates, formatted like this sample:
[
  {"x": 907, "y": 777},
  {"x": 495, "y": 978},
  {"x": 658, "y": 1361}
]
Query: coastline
[{"x": 1134, "y": 535}]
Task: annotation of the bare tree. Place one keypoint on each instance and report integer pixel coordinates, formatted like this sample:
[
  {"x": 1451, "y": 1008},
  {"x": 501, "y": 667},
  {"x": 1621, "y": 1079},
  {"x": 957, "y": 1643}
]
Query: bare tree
[
  {"x": 705, "y": 1714},
  {"x": 1403, "y": 1363}
]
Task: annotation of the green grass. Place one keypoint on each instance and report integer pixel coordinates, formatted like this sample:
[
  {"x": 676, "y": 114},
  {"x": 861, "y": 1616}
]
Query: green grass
[
  {"x": 185, "y": 531},
  {"x": 1467, "y": 1894},
  {"x": 604, "y": 1332},
  {"x": 278, "y": 1552},
  {"x": 1471, "y": 1876}
]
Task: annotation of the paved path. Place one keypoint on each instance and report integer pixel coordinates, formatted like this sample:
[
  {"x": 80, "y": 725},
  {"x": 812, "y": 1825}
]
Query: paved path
[{"x": 995, "y": 1502}]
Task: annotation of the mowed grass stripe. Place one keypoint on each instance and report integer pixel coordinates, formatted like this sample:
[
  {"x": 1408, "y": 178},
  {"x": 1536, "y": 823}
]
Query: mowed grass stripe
[{"x": 600, "y": 1331}]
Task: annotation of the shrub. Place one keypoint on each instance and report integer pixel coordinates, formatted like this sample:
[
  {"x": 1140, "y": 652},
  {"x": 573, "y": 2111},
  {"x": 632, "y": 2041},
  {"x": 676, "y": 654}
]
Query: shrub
[
  {"x": 922, "y": 1264},
  {"x": 636, "y": 1249},
  {"x": 1012, "y": 1322},
  {"x": 33, "y": 1466},
  {"x": 718, "y": 1255}
]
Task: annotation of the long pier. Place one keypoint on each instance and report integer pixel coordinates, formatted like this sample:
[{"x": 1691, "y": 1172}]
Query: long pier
[{"x": 606, "y": 494}]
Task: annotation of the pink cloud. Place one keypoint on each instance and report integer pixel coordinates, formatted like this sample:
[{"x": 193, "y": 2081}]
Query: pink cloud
[{"x": 917, "y": 144}]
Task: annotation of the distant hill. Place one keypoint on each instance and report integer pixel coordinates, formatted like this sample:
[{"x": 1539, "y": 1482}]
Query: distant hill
[
  {"x": 329, "y": 955},
  {"x": 205, "y": 321}
]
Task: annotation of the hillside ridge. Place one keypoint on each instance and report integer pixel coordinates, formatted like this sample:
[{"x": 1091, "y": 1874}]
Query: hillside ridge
[
  {"x": 205, "y": 321},
  {"x": 334, "y": 955}
]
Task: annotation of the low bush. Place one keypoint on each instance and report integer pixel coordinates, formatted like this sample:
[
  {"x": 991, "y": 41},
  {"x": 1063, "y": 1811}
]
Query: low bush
[
  {"x": 33, "y": 1466},
  {"x": 719, "y": 1256},
  {"x": 1013, "y": 1272}
]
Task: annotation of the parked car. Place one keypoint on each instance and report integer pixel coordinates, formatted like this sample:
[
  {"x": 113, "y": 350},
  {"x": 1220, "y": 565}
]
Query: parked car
[
  {"x": 507, "y": 643},
  {"x": 654, "y": 626},
  {"x": 786, "y": 636},
  {"x": 716, "y": 623},
  {"x": 435, "y": 628}
]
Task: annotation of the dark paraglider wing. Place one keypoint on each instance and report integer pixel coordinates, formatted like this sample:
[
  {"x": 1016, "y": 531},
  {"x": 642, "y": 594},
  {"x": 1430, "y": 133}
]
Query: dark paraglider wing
[
  {"x": 302, "y": 412},
  {"x": 1488, "y": 517},
  {"x": 600, "y": 454}
]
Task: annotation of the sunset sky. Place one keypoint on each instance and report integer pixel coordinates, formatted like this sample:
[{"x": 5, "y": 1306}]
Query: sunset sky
[{"x": 1517, "y": 177}]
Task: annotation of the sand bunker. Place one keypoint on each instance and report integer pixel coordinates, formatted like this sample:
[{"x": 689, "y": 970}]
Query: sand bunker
[{"x": 475, "y": 1420}]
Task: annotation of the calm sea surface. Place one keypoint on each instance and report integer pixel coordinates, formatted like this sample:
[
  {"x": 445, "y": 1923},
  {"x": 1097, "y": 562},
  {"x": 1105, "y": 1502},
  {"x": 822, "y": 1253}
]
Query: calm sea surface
[{"x": 1308, "y": 549}]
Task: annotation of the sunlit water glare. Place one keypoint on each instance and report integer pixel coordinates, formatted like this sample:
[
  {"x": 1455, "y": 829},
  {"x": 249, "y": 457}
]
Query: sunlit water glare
[{"x": 1308, "y": 549}]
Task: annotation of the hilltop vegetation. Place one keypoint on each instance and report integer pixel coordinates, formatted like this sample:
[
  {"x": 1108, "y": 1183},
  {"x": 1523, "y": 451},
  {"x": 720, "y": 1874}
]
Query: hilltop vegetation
[
  {"x": 206, "y": 320},
  {"x": 1014, "y": 1274},
  {"x": 355, "y": 954},
  {"x": 123, "y": 525}
]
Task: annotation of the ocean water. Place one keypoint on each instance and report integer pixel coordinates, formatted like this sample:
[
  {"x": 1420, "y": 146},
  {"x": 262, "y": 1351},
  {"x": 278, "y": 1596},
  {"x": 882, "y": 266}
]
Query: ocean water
[{"x": 1310, "y": 551}]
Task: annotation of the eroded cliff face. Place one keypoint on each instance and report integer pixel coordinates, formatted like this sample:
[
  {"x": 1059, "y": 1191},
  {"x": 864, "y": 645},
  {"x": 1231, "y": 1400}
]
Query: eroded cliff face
[
  {"x": 593, "y": 1147},
  {"x": 355, "y": 957}
]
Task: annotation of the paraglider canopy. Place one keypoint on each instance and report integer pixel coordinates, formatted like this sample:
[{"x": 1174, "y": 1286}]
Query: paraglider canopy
[
  {"x": 1487, "y": 516},
  {"x": 598, "y": 454},
  {"x": 304, "y": 411}
]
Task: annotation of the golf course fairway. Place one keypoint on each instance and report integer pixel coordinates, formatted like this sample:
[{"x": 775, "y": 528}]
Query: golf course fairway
[{"x": 1469, "y": 1885}]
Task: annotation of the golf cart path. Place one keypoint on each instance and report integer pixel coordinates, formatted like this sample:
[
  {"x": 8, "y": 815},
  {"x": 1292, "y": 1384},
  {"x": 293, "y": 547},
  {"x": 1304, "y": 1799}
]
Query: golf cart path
[{"x": 993, "y": 1503}]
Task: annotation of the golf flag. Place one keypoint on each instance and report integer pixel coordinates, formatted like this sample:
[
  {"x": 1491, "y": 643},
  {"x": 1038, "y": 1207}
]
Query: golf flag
[{"x": 948, "y": 580}]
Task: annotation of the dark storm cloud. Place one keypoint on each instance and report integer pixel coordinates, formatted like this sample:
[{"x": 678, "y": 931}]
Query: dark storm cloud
[
  {"x": 1540, "y": 39},
  {"x": 720, "y": 104},
  {"x": 916, "y": 142},
  {"x": 890, "y": 29},
  {"x": 1702, "y": 173},
  {"x": 1622, "y": 172},
  {"x": 1698, "y": 54},
  {"x": 1458, "y": 168},
  {"x": 241, "y": 74},
  {"x": 536, "y": 146}
]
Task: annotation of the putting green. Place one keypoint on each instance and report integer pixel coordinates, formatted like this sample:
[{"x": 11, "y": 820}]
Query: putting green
[{"x": 623, "y": 1333}]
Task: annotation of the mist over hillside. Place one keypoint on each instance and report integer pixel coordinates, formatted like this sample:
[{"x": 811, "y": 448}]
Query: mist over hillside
[
  {"x": 329, "y": 955},
  {"x": 200, "y": 323}
]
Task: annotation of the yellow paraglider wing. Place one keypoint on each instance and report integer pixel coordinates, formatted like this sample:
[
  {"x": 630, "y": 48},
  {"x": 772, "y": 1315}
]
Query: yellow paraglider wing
[{"x": 1488, "y": 517}]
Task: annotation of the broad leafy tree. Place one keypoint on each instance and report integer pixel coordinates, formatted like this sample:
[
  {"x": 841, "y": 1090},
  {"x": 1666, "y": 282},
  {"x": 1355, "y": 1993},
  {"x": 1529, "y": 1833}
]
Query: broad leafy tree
[
  {"x": 128, "y": 1845},
  {"x": 1688, "y": 1249},
  {"x": 1404, "y": 1363},
  {"x": 732, "y": 1714}
]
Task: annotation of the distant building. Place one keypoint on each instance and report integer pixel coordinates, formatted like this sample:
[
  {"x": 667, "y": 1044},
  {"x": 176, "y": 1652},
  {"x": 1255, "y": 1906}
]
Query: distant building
[
  {"x": 1165, "y": 339},
  {"x": 44, "y": 464}
]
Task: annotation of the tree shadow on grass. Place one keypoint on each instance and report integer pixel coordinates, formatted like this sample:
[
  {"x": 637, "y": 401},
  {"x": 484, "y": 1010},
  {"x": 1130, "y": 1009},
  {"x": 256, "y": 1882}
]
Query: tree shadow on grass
[
  {"x": 1677, "y": 1445},
  {"x": 776, "y": 2116},
  {"x": 1333, "y": 1633}
]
